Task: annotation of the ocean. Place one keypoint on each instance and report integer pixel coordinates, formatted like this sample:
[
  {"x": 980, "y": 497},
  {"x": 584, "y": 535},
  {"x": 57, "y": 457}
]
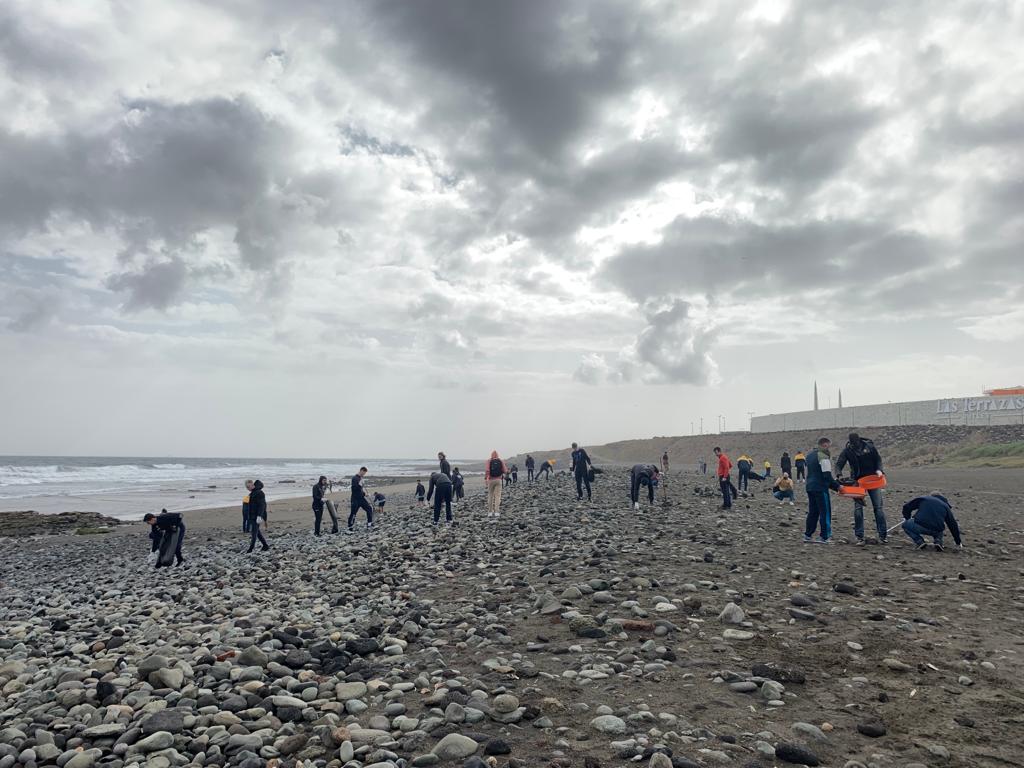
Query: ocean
[{"x": 127, "y": 487}]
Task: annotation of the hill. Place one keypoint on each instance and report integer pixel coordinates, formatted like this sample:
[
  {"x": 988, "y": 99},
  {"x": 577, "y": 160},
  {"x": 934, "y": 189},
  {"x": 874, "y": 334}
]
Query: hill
[{"x": 906, "y": 446}]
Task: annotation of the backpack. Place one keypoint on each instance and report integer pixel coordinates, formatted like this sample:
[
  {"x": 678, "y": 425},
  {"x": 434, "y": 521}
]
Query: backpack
[{"x": 495, "y": 468}]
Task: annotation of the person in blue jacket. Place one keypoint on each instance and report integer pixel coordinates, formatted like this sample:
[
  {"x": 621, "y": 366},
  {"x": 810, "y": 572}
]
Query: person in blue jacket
[
  {"x": 930, "y": 516},
  {"x": 819, "y": 481}
]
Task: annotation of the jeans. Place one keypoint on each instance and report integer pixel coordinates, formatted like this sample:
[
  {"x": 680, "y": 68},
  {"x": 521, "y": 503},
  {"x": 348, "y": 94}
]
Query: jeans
[
  {"x": 917, "y": 532},
  {"x": 744, "y": 479},
  {"x": 257, "y": 533},
  {"x": 767, "y": 473},
  {"x": 876, "y": 506},
  {"x": 582, "y": 479},
  {"x": 318, "y": 516},
  {"x": 460, "y": 491},
  {"x": 726, "y": 486},
  {"x": 546, "y": 472},
  {"x": 783, "y": 495},
  {"x": 443, "y": 494},
  {"x": 801, "y": 471},
  {"x": 493, "y": 496},
  {"x": 358, "y": 504},
  {"x": 245, "y": 518},
  {"x": 819, "y": 509},
  {"x": 529, "y": 474}
]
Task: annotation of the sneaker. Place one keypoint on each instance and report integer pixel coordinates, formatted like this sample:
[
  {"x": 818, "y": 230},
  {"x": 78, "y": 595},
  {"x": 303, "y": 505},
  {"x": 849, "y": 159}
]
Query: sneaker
[
  {"x": 859, "y": 543},
  {"x": 791, "y": 503},
  {"x": 883, "y": 541},
  {"x": 265, "y": 547},
  {"x": 349, "y": 531},
  {"x": 939, "y": 548},
  {"x": 820, "y": 540},
  {"x": 636, "y": 505},
  {"x": 921, "y": 546},
  {"x": 807, "y": 539}
]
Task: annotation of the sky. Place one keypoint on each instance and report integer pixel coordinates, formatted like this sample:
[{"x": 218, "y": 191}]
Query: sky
[{"x": 385, "y": 228}]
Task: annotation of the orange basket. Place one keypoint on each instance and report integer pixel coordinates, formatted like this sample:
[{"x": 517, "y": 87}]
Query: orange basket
[
  {"x": 852, "y": 491},
  {"x": 872, "y": 482}
]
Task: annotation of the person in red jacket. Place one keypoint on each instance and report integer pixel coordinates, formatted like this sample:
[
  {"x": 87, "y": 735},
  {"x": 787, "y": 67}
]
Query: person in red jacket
[{"x": 722, "y": 473}]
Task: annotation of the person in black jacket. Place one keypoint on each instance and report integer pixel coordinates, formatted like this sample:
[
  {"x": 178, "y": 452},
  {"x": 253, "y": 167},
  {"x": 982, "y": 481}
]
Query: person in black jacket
[
  {"x": 319, "y": 502},
  {"x": 786, "y": 464},
  {"x": 165, "y": 525},
  {"x": 257, "y": 516},
  {"x": 458, "y": 485},
  {"x": 931, "y": 516},
  {"x": 530, "y": 464},
  {"x": 441, "y": 489},
  {"x": 642, "y": 474},
  {"x": 581, "y": 469},
  {"x": 443, "y": 464},
  {"x": 358, "y": 501},
  {"x": 421, "y": 492},
  {"x": 864, "y": 461}
]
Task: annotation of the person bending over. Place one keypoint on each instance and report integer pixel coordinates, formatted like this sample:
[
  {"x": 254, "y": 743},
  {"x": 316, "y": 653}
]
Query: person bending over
[
  {"x": 642, "y": 474},
  {"x": 930, "y": 516},
  {"x": 166, "y": 525}
]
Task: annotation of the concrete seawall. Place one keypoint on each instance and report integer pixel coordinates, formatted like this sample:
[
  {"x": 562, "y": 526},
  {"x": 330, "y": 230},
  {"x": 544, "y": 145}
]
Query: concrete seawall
[{"x": 956, "y": 411}]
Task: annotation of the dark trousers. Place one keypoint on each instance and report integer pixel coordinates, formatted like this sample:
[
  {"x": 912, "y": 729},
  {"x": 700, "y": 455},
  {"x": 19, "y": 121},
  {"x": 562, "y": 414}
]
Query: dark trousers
[
  {"x": 443, "y": 495},
  {"x": 634, "y": 492},
  {"x": 460, "y": 492},
  {"x": 582, "y": 479},
  {"x": 917, "y": 532},
  {"x": 318, "y": 515},
  {"x": 819, "y": 510},
  {"x": 245, "y": 520},
  {"x": 546, "y": 472},
  {"x": 529, "y": 474},
  {"x": 801, "y": 472},
  {"x": 515, "y": 477},
  {"x": 744, "y": 479},
  {"x": 257, "y": 533},
  {"x": 725, "y": 485},
  {"x": 358, "y": 504}
]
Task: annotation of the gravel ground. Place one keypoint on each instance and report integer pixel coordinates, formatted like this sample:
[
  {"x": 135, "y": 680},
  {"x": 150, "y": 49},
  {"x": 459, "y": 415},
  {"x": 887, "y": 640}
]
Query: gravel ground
[{"x": 562, "y": 634}]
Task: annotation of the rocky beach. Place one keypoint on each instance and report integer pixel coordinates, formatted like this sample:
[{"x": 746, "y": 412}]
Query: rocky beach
[{"x": 564, "y": 634}]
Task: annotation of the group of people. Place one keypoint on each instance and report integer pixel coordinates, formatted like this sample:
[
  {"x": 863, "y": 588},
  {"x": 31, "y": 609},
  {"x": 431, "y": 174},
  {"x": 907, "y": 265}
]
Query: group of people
[{"x": 928, "y": 515}]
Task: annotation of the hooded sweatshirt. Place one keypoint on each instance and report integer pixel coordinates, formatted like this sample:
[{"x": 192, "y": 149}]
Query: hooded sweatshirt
[{"x": 258, "y": 501}]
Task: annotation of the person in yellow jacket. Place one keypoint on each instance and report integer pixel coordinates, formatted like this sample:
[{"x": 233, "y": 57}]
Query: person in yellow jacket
[
  {"x": 801, "y": 466},
  {"x": 245, "y": 507},
  {"x": 783, "y": 489},
  {"x": 767, "y": 469}
]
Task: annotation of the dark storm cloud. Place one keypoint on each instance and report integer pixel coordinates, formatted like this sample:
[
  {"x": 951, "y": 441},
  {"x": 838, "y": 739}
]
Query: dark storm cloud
[
  {"x": 803, "y": 134},
  {"x": 533, "y": 71},
  {"x": 721, "y": 256},
  {"x": 171, "y": 169},
  {"x": 157, "y": 285}
]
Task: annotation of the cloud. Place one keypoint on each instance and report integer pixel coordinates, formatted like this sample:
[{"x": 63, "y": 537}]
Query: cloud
[
  {"x": 676, "y": 347},
  {"x": 158, "y": 285}
]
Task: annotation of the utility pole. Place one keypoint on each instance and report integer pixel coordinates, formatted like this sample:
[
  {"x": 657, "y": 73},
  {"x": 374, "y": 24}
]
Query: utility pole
[
  {"x": 702, "y": 424},
  {"x": 751, "y": 415},
  {"x": 691, "y": 428},
  {"x": 720, "y": 422}
]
